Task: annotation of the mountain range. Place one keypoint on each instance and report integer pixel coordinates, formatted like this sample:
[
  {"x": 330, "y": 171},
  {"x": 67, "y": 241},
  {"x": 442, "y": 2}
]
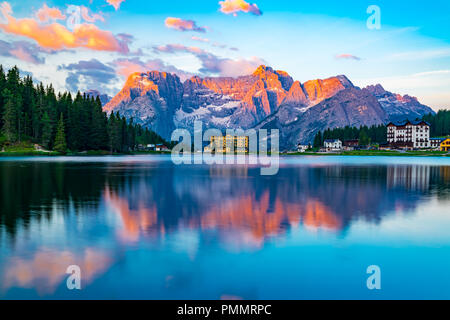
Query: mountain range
[{"x": 267, "y": 98}]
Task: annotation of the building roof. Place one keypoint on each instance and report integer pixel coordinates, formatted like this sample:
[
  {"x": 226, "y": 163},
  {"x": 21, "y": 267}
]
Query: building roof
[
  {"x": 332, "y": 140},
  {"x": 404, "y": 123}
]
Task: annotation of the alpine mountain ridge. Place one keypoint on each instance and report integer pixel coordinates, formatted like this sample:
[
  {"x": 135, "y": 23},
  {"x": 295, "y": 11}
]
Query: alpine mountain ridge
[{"x": 267, "y": 98}]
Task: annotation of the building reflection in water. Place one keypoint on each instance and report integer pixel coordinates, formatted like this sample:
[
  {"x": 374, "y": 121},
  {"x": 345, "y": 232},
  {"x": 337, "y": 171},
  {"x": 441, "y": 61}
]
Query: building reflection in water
[
  {"x": 409, "y": 177},
  {"x": 235, "y": 205},
  {"x": 246, "y": 207}
]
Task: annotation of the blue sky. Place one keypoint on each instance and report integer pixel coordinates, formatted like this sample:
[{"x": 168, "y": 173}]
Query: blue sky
[{"x": 409, "y": 54}]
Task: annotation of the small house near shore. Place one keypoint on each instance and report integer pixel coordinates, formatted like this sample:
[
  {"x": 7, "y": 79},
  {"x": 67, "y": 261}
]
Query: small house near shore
[
  {"x": 161, "y": 147},
  {"x": 303, "y": 148},
  {"x": 333, "y": 144},
  {"x": 445, "y": 145},
  {"x": 436, "y": 143},
  {"x": 351, "y": 144}
]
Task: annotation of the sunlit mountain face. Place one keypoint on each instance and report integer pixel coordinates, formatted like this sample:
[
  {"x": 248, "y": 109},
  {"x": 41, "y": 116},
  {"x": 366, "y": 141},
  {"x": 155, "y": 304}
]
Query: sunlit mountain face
[
  {"x": 175, "y": 223},
  {"x": 161, "y": 199}
]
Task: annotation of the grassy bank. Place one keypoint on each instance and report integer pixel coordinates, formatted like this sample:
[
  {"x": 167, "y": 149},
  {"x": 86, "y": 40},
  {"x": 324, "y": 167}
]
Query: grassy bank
[
  {"x": 23, "y": 149},
  {"x": 26, "y": 149},
  {"x": 376, "y": 153},
  {"x": 29, "y": 149}
]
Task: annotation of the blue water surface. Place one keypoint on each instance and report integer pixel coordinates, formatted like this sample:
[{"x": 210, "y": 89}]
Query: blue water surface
[{"x": 140, "y": 227}]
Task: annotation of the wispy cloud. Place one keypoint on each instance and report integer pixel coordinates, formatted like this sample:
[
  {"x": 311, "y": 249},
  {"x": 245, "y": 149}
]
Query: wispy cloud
[
  {"x": 89, "y": 74},
  {"x": 199, "y": 39},
  {"x": 91, "y": 18},
  {"x": 57, "y": 37},
  {"x": 431, "y": 73},
  {"x": 235, "y": 6},
  {"x": 115, "y": 3},
  {"x": 22, "y": 50},
  {"x": 126, "y": 67},
  {"x": 45, "y": 14},
  {"x": 214, "y": 65},
  {"x": 183, "y": 25},
  {"x": 421, "y": 54},
  {"x": 347, "y": 56}
]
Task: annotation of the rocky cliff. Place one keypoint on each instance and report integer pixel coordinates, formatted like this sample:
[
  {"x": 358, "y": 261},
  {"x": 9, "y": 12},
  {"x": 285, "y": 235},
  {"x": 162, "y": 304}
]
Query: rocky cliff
[
  {"x": 399, "y": 107},
  {"x": 266, "y": 98},
  {"x": 349, "y": 107}
]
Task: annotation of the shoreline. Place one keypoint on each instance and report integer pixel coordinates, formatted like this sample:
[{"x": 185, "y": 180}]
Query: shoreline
[{"x": 296, "y": 154}]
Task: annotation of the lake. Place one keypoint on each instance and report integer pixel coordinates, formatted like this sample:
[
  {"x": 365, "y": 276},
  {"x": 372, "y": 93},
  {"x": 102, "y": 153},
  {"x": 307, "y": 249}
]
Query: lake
[{"x": 140, "y": 227}]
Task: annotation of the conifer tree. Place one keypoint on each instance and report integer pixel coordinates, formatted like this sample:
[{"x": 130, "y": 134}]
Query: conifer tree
[
  {"x": 60, "y": 139},
  {"x": 99, "y": 130},
  {"x": 9, "y": 117},
  {"x": 318, "y": 142},
  {"x": 364, "y": 139},
  {"x": 2, "y": 87},
  {"x": 47, "y": 131},
  {"x": 32, "y": 113}
]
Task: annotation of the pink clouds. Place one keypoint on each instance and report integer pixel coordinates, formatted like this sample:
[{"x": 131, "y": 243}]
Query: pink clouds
[
  {"x": 183, "y": 25},
  {"x": 22, "y": 54},
  {"x": 85, "y": 14},
  {"x": 23, "y": 50},
  {"x": 58, "y": 37},
  {"x": 200, "y": 39},
  {"x": 126, "y": 67},
  {"x": 235, "y": 6},
  {"x": 347, "y": 56},
  {"x": 46, "y": 269},
  {"x": 45, "y": 14},
  {"x": 212, "y": 64},
  {"x": 115, "y": 3}
]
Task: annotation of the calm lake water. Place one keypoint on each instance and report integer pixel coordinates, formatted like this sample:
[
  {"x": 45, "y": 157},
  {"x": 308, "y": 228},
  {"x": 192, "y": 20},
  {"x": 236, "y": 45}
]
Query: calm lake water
[{"x": 142, "y": 228}]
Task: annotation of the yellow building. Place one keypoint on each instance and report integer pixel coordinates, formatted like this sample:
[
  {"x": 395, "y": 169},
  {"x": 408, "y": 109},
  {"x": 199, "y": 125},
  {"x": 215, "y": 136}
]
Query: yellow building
[
  {"x": 445, "y": 145},
  {"x": 228, "y": 144}
]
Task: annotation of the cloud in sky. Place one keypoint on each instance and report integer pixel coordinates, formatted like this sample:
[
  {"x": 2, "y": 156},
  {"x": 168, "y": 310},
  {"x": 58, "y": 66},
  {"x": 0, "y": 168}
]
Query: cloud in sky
[
  {"x": 86, "y": 15},
  {"x": 115, "y": 3},
  {"x": 89, "y": 74},
  {"x": 57, "y": 37},
  {"x": 347, "y": 56},
  {"x": 235, "y": 6},
  {"x": 125, "y": 67},
  {"x": 214, "y": 65},
  {"x": 423, "y": 54},
  {"x": 183, "y": 25},
  {"x": 45, "y": 14},
  {"x": 22, "y": 50},
  {"x": 199, "y": 39}
]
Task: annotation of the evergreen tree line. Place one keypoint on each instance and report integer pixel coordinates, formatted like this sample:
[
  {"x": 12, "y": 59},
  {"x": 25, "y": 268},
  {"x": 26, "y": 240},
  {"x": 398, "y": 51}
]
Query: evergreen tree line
[
  {"x": 366, "y": 135},
  {"x": 62, "y": 122},
  {"x": 440, "y": 123}
]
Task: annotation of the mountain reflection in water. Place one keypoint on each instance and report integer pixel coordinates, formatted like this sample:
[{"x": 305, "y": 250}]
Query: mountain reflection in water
[{"x": 54, "y": 214}]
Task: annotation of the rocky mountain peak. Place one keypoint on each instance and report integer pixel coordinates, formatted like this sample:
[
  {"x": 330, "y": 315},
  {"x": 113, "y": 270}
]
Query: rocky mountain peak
[
  {"x": 377, "y": 90},
  {"x": 296, "y": 95},
  {"x": 319, "y": 90},
  {"x": 158, "y": 84},
  {"x": 160, "y": 101},
  {"x": 274, "y": 78}
]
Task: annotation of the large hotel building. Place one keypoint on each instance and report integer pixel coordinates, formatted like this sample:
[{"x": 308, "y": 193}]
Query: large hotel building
[
  {"x": 409, "y": 135},
  {"x": 228, "y": 144}
]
